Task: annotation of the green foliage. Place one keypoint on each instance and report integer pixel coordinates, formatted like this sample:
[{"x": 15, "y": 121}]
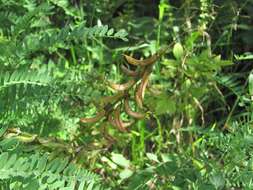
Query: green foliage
[
  {"x": 55, "y": 59},
  {"x": 25, "y": 78},
  {"x": 27, "y": 170},
  {"x": 38, "y": 172},
  {"x": 219, "y": 162}
]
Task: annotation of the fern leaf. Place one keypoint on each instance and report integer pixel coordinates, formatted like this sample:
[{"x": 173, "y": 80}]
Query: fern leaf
[{"x": 51, "y": 174}]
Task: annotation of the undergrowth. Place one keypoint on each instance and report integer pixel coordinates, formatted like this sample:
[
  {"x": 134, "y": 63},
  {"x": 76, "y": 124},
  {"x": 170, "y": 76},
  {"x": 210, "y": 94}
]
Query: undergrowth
[{"x": 56, "y": 58}]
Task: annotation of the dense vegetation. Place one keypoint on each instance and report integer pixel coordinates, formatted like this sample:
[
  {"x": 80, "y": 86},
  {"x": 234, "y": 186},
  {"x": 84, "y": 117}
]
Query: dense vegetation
[{"x": 193, "y": 128}]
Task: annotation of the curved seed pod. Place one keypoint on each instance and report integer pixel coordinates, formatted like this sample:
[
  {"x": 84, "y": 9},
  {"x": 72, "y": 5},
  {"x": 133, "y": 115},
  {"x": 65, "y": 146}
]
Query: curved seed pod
[
  {"x": 144, "y": 83},
  {"x": 122, "y": 126},
  {"x": 95, "y": 119},
  {"x": 122, "y": 87},
  {"x": 127, "y": 124},
  {"x": 140, "y": 92},
  {"x": 138, "y": 62},
  {"x": 130, "y": 112},
  {"x": 113, "y": 98},
  {"x": 132, "y": 60},
  {"x": 112, "y": 122},
  {"x": 138, "y": 98},
  {"x": 148, "y": 61},
  {"x": 118, "y": 121},
  {"x": 128, "y": 71}
]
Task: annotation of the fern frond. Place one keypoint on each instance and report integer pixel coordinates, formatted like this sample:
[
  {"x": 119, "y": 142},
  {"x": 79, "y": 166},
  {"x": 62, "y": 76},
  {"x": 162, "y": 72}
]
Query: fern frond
[
  {"x": 23, "y": 91},
  {"x": 55, "y": 38},
  {"x": 24, "y": 77},
  {"x": 46, "y": 173},
  {"x": 69, "y": 10},
  {"x": 233, "y": 83},
  {"x": 24, "y": 22}
]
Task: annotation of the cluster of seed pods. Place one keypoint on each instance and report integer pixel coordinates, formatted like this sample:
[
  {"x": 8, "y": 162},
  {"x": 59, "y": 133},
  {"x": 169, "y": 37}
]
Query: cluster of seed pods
[{"x": 111, "y": 107}]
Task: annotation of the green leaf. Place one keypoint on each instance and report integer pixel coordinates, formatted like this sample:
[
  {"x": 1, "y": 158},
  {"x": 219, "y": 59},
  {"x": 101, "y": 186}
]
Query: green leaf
[
  {"x": 82, "y": 185},
  {"x": 126, "y": 173},
  {"x": 98, "y": 29},
  {"x": 120, "y": 160},
  {"x": 165, "y": 105},
  {"x": 53, "y": 165},
  {"x": 220, "y": 62},
  {"x": 166, "y": 157},
  {"x": 6, "y": 77},
  {"x": 121, "y": 33},
  {"x": 217, "y": 180},
  {"x": 19, "y": 163},
  {"x": 25, "y": 166},
  {"x": 51, "y": 178},
  {"x": 32, "y": 185},
  {"x": 178, "y": 51},
  {"x": 206, "y": 187},
  {"x": 245, "y": 56},
  {"x": 191, "y": 40},
  {"x": 162, "y": 7},
  {"x": 110, "y": 32},
  {"x": 3, "y": 159},
  {"x": 9, "y": 143},
  {"x": 152, "y": 157},
  {"x": 124, "y": 39},
  {"x": 70, "y": 170},
  {"x": 169, "y": 63},
  {"x": 57, "y": 185},
  {"x": 251, "y": 84},
  {"x": 62, "y": 165},
  {"x": 103, "y": 31},
  {"x": 198, "y": 164},
  {"x": 109, "y": 162},
  {"x": 248, "y": 139},
  {"x": 33, "y": 160},
  {"x": 42, "y": 163},
  {"x": 11, "y": 161},
  {"x": 90, "y": 186},
  {"x": 3, "y": 130}
]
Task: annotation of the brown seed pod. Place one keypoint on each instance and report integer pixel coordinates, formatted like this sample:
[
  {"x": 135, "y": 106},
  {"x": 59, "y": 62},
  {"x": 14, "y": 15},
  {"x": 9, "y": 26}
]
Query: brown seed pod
[
  {"x": 149, "y": 61},
  {"x": 113, "y": 123},
  {"x": 129, "y": 72},
  {"x": 118, "y": 122},
  {"x": 111, "y": 120},
  {"x": 138, "y": 98},
  {"x": 109, "y": 99},
  {"x": 107, "y": 103},
  {"x": 130, "y": 112},
  {"x": 144, "y": 82},
  {"x": 138, "y": 62},
  {"x": 140, "y": 92},
  {"x": 122, "y": 87},
  {"x": 95, "y": 119}
]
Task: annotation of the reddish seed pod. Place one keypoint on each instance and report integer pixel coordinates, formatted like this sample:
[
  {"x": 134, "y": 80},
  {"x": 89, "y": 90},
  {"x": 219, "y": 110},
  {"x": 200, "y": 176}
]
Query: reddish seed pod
[
  {"x": 95, "y": 119},
  {"x": 122, "y": 87},
  {"x": 130, "y": 112},
  {"x": 129, "y": 72}
]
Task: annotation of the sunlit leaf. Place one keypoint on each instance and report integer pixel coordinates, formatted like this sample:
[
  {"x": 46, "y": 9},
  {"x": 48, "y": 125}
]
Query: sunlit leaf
[{"x": 178, "y": 51}]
